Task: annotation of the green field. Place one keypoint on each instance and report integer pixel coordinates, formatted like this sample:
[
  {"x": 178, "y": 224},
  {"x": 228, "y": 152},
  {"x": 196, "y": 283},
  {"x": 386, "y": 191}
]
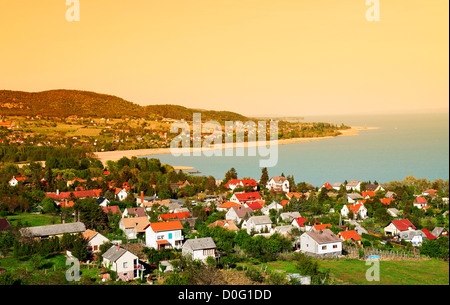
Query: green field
[
  {"x": 33, "y": 220},
  {"x": 353, "y": 272}
]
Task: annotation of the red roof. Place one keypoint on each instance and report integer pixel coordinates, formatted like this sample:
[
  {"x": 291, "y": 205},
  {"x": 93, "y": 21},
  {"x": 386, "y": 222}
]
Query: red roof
[
  {"x": 351, "y": 234},
  {"x": 301, "y": 221},
  {"x": 403, "y": 224},
  {"x": 428, "y": 234},
  {"x": 328, "y": 186},
  {"x": 368, "y": 193},
  {"x": 228, "y": 205},
  {"x": 166, "y": 226},
  {"x": 252, "y": 196},
  {"x": 113, "y": 209},
  {"x": 180, "y": 215},
  {"x": 284, "y": 202},
  {"x": 354, "y": 208},
  {"x": 420, "y": 200},
  {"x": 76, "y": 194},
  {"x": 244, "y": 182},
  {"x": 387, "y": 201},
  {"x": 322, "y": 226},
  {"x": 254, "y": 205},
  {"x": 162, "y": 242}
]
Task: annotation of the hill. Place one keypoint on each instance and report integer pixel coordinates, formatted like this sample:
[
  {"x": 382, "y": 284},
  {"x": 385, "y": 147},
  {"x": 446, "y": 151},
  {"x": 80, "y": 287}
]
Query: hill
[{"x": 64, "y": 103}]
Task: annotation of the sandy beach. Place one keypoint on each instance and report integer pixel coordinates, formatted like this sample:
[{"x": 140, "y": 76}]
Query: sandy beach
[{"x": 116, "y": 155}]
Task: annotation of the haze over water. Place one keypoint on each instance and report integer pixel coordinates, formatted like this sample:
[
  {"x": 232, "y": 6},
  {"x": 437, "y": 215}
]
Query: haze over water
[{"x": 404, "y": 144}]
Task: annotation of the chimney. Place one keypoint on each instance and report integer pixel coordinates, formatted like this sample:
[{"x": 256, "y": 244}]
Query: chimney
[
  {"x": 142, "y": 197},
  {"x": 57, "y": 192},
  {"x": 118, "y": 247}
]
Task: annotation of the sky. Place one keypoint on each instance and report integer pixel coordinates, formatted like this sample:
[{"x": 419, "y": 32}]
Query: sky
[{"x": 255, "y": 57}]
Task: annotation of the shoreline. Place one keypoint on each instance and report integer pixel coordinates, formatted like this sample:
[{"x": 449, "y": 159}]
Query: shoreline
[{"x": 118, "y": 154}]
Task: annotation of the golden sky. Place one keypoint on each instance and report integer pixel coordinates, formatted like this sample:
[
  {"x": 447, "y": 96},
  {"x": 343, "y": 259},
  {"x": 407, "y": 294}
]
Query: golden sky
[{"x": 255, "y": 57}]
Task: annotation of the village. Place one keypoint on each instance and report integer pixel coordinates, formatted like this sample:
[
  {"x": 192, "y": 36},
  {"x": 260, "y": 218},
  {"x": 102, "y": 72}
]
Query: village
[{"x": 138, "y": 233}]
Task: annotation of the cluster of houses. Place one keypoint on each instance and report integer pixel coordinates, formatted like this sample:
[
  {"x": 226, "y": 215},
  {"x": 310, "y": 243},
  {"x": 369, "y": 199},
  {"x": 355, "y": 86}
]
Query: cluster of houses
[{"x": 315, "y": 238}]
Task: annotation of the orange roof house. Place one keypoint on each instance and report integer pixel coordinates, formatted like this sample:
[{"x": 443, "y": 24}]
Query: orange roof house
[{"x": 349, "y": 235}]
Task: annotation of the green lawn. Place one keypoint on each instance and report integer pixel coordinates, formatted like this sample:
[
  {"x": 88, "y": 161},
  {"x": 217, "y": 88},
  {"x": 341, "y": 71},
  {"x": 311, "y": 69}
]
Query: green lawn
[
  {"x": 33, "y": 220},
  {"x": 353, "y": 272}
]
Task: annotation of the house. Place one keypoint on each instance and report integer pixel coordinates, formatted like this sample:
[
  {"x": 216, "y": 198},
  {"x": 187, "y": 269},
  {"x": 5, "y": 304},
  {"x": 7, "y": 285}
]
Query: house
[
  {"x": 103, "y": 202},
  {"x": 337, "y": 186},
  {"x": 245, "y": 197},
  {"x": 428, "y": 234},
  {"x": 351, "y": 235},
  {"x": 226, "y": 224},
  {"x": 170, "y": 216},
  {"x": 179, "y": 185},
  {"x": 294, "y": 194},
  {"x": 353, "y": 185},
  {"x": 234, "y": 183},
  {"x": 161, "y": 235},
  {"x": 420, "y": 202},
  {"x": 123, "y": 262},
  {"x": 59, "y": 196},
  {"x": 358, "y": 210},
  {"x": 95, "y": 240},
  {"x": 76, "y": 179},
  {"x": 290, "y": 216},
  {"x": 353, "y": 197},
  {"x": 415, "y": 237},
  {"x": 367, "y": 194},
  {"x": 120, "y": 193},
  {"x": 278, "y": 184},
  {"x": 273, "y": 206},
  {"x": 430, "y": 193},
  {"x": 199, "y": 248},
  {"x": 300, "y": 223},
  {"x": 133, "y": 227},
  {"x": 113, "y": 209},
  {"x": 227, "y": 205},
  {"x": 390, "y": 194},
  {"x": 319, "y": 227},
  {"x": 322, "y": 243},
  {"x": 439, "y": 231},
  {"x": 386, "y": 201},
  {"x": 393, "y": 212},
  {"x": 374, "y": 187},
  {"x": 254, "y": 206},
  {"x": 326, "y": 185},
  {"x": 48, "y": 231},
  {"x": 238, "y": 213},
  {"x": 259, "y": 224},
  {"x": 134, "y": 212},
  {"x": 397, "y": 226},
  {"x": 15, "y": 180}
]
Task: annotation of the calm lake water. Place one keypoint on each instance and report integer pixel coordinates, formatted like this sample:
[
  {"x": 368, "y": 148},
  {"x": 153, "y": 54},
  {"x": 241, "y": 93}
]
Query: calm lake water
[{"x": 404, "y": 144}]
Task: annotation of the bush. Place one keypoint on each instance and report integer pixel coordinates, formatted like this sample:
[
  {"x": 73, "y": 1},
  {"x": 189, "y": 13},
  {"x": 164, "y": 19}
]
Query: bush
[{"x": 254, "y": 275}]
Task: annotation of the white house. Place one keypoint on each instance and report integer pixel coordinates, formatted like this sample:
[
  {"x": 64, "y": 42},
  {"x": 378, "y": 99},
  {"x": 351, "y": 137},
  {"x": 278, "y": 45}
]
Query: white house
[
  {"x": 161, "y": 235},
  {"x": 133, "y": 226},
  {"x": 199, "y": 248},
  {"x": 274, "y": 205},
  {"x": 238, "y": 213},
  {"x": 358, "y": 210},
  {"x": 416, "y": 237},
  {"x": 320, "y": 243},
  {"x": 121, "y": 194},
  {"x": 259, "y": 224},
  {"x": 353, "y": 197},
  {"x": 396, "y": 227},
  {"x": 353, "y": 186},
  {"x": 95, "y": 240},
  {"x": 123, "y": 262},
  {"x": 278, "y": 184}
]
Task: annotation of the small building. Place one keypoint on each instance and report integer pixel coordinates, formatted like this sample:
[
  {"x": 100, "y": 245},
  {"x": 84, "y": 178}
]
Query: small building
[
  {"x": 242, "y": 198},
  {"x": 161, "y": 235},
  {"x": 48, "y": 231},
  {"x": 134, "y": 227},
  {"x": 439, "y": 231},
  {"x": 95, "y": 240},
  {"x": 278, "y": 184},
  {"x": 238, "y": 213},
  {"x": 322, "y": 243},
  {"x": 259, "y": 224},
  {"x": 395, "y": 227},
  {"x": 358, "y": 210},
  {"x": 351, "y": 235},
  {"x": 226, "y": 224},
  {"x": 199, "y": 248},
  {"x": 123, "y": 262}
]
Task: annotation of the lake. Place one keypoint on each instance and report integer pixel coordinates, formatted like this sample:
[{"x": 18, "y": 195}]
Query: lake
[{"x": 404, "y": 144}]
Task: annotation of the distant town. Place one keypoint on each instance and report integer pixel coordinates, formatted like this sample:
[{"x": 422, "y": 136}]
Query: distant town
[{"x": 140, "y": 222}]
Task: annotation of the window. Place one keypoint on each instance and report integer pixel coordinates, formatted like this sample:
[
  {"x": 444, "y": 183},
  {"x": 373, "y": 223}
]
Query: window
[
  {"x": 159, "y": 237},
  {"x": 125, "y": 264},
  {"x": 170, "y": 235},
  {"x": 324, "y": 247},
  {"x": 334, "y": 246}
]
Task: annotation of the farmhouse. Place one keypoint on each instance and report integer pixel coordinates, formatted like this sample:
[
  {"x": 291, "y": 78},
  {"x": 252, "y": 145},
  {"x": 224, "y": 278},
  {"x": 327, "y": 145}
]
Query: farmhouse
[
  {"x": 199, "y": 248},
  {"x": 321, "y": 243}
]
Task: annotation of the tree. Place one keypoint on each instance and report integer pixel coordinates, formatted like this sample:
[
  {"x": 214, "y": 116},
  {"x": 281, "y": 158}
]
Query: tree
[
  {"x": 264, "y": 177},
  {"x": 231, "y": 174}
]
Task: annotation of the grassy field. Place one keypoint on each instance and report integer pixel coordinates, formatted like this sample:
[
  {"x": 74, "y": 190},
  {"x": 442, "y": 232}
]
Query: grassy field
[
  {"x": 353, "y": 272},
  {"x": 33, "y": 220}
]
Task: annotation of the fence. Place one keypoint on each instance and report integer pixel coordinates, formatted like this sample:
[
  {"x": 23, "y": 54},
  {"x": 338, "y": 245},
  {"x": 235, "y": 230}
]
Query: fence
[{"x": 384, "y": 254}]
